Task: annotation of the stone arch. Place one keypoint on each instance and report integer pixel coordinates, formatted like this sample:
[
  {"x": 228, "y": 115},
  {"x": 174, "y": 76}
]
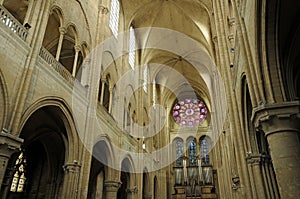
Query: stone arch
[
  {"x": 44, "y": 124},
  {"x": 127, "y": 178},
  {"x": 3, "y": 101},
  {"x": 54, "y": 29},
  {"x": 146, "y": 191},
  {"x": 102, "y": 159},
  {"x": 107, "y": 156},
  {"x": 66, "y": 117},
  {"x": 58, "y": 11}
]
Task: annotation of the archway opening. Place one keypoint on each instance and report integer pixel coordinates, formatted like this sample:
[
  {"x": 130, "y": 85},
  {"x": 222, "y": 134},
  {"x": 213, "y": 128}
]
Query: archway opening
[{"x": 43, "y": 153}]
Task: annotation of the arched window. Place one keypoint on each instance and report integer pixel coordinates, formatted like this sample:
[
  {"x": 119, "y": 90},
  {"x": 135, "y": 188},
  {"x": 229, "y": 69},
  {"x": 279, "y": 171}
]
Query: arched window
[
  {"x": 114, "y": 17},
  {"x": 189, "y": 112},
  {"x": 205, "y": 151},
  {"x": 179, "y": 152},
  {"x": 131, "y": 57},
  {"x": 18, "y": 181},
  {"x": 192, "y": 152}
]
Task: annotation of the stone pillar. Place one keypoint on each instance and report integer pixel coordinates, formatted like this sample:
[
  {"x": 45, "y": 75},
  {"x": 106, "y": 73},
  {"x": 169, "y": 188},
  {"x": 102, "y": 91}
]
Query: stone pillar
[
  {"x": 8, "y": 145},
  {"x": 281, "y": 125},
  {"x": 111, "y": 189},
  {"x": 62, "y": 32},
  {"x": 255, "y": 163},
  {"x": 110, "y": 98},
  {"x": 102, "y": 90},
  {"x": 71, "y": 180},
  {"x": 99, "y": 186},
  {"x": 147, "y": 196},
  {"x": 132, "y": 193},
  {"x": 77, "y": 49}
]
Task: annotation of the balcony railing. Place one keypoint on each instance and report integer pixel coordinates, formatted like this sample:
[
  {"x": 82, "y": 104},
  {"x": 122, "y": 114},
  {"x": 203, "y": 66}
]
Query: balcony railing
[
  {"x": 6, "y": 19},
  {"x": 48, "y": 57}
]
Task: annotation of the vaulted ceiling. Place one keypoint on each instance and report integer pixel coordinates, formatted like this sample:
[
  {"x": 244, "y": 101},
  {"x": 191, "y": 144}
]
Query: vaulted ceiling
[{"x": 175, "y": 34}]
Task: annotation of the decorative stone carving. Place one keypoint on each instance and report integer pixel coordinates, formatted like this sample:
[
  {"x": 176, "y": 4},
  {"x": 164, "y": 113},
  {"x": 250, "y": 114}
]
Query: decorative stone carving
[{"x": 103, "y": 10}]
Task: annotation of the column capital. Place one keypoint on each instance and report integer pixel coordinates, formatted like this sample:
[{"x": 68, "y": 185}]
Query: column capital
[
  {"x": 273, "y": 118},
  {"x": 111, "y": 88},
  {"x": 72, "y": 167},
  {"x": 9, "y": 143},
  {"x": 254, "y": 159},
  {"x": 132, "y": 190},
  {"x": 103, "y": 10},
  {"x": 148, "y": 196},
  {"x": 112, "y": 186},
  {"x": 62, "y": 30},
  {"x": 231, "y": 21},
  {"x": 77, "y": 48}
]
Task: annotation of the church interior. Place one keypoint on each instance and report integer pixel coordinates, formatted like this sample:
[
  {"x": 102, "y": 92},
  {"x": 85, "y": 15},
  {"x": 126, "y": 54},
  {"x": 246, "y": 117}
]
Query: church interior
[{"x": 149, "y": 99}]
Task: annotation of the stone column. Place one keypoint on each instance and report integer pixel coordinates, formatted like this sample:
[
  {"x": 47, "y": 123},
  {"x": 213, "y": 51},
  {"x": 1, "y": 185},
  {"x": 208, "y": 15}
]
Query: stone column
[
  {"x": 281, "y": 125},
  {"x": 111, "y": 189},
  {"x": 62, "y": 32},
  {"x": 132, "y": 193},
  {"x": 255, "y": 163},
  {"x": 71, "y": 177},
  {"x": 77, "y": 49},
  {"x": 102, "y": 90},
  {"x": 110, "y": 98},
  {"x": 8, "y": 145}
]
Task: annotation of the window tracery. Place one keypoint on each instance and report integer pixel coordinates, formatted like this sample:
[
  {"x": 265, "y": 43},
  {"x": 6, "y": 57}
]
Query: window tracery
[
  {"x": 189, "y": 112},
  {"x": 179, "y": 152},
  {"x": 19, "y": 178},
  {"x": 192, "y": 154}
]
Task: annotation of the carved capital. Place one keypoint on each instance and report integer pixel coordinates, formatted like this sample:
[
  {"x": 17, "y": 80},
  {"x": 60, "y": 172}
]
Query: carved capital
[
  {"x": 112, "y": 186},
  {"x": 62, "y": 30},
  {"x": 231, "y": 21},
  {"x": 103, "y": 10},
  {"x": 77, "y": 48},
  {"x": 72, "y": 167},
  {"x": 9, "y": 144},
  {"x": 132, "y": 190},
  {"x": 231, "y": 37},
  {"x": 274, "y": 118},
  {"x": 254, "y": 159},
  {"x": 215, "y": 39},
  {"x": 235, "y": 182}
]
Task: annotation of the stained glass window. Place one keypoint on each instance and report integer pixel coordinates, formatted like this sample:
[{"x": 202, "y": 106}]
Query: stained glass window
[
  {"x": 189, "y": 112},
  {"x": 204, "y": 151},
  {"x": 192, "y": 153},
  {"x": 179, "y": 152},
  {"x": 131, "y": 56},
  {"x": 18, "y": 181},
  {"x": 114, "y": 17}
]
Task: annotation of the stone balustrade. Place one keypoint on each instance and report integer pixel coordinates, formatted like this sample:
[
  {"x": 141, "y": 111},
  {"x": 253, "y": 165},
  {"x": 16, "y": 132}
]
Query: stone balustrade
[
  {"x": 9, "y": 21},
  {"x": 50, "y": 59}
]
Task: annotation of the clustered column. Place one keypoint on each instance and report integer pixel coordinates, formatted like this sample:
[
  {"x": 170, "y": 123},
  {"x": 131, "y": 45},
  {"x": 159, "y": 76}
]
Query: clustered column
[{"x": 71, "y": 180}]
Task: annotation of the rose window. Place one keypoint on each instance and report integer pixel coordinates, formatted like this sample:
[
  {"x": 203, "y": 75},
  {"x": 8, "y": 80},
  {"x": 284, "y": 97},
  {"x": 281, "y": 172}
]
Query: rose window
[{"x": 189, "y": 112}]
